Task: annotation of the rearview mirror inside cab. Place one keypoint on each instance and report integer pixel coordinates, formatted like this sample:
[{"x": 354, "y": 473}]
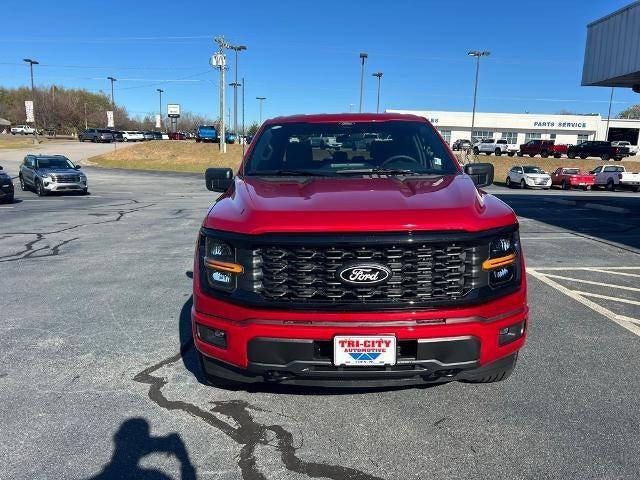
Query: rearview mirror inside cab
[
  {"x": 218, "y": 179},
  {"x": 480, "y": 173}
]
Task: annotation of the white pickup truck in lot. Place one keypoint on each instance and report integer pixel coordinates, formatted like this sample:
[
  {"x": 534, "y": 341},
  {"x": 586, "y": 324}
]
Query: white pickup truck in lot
[
  {"x": 495, "y": 146},
  {"x": 633, "y": 149},
  {"x": 613, "y": 176},
  {"x": 22, "y": 130}
]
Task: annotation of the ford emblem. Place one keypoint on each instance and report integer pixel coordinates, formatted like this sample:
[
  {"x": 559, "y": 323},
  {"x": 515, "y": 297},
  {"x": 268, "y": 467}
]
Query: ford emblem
[{"x": 364, "y": 274}]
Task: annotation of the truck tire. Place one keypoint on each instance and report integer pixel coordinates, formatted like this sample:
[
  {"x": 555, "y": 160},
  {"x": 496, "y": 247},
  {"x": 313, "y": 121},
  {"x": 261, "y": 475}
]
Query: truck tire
[
  {"x": 23, "y": 186},
  {"x": 564, "y": 185},
  {"x": 523, "y": 184},
  {"x": 611, "y": 187},
  {"x": 532, "y": 155},
  {"x": 583, "y": 157},
  {"x": 571, "y": 155},
  {"x": 520, "y": 153},
  {"x": 498, "y": 152},
  {"x": 544, "y": 154},
  {"x": 604, "y": 157},
  {"x": 494, "y": 372},
  {"x": 508, "y": 182},
  {"x": 40, "y": 189},
  {"x": 511, "y": 154}
]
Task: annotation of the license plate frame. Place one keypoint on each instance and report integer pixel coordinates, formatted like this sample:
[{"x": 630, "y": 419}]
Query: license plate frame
[{"x": 364, "y": 350}]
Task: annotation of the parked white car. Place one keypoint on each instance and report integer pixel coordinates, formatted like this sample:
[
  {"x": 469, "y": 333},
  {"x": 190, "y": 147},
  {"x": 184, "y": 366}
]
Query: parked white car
[
  {"x": 130, "y": 136},
  {"x": 613, "y": 176},
  {"x": 633, "y": 149},
  {"x": 495, "y": 146},
  {"x": 525, "y": 176},
  {"x": 22, "y": 130}
]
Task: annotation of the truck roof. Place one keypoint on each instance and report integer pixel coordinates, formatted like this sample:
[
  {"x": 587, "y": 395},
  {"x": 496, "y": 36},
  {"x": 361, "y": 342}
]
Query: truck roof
[{"x": 346, "y": 117}]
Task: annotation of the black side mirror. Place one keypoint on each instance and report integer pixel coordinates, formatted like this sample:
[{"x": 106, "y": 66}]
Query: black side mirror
[
  {"x": 218, "y": 179},
  {"x": 480, "y": 173},
  {"x": 77, "y": 167},
  {"x": 1, "y": 167}
]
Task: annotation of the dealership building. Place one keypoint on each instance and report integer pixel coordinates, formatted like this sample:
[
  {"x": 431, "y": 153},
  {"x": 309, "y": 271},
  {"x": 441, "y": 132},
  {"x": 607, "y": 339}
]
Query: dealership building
[{"x": 521, "y": 127}]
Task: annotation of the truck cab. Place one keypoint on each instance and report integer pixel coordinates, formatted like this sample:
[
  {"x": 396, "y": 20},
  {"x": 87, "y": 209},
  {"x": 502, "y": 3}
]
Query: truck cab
[
  {"x": 206, "y": 133},
  {"x": 365, "y": 265}
]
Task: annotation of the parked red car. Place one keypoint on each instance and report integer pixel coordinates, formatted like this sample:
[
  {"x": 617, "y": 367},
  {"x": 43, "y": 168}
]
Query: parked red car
[
  {"x": 177, "y": 136},
  {"x": 544, "y": 148},
  {"x": 342, "y": 267},
  {"x": 572, "y": 177}
]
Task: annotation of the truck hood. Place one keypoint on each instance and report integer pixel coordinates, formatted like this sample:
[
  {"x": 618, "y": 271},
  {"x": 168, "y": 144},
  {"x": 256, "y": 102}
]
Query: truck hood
[{"x": 452, "y": 202}]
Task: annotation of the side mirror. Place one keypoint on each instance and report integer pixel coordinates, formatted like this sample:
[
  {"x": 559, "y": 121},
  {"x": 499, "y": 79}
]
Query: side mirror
[
  {"x": 218, "y": 179},
  {"x": 77, "y": 167},
  {"x": 480, "y": 173},
  {"x": 1, "y": 167}
]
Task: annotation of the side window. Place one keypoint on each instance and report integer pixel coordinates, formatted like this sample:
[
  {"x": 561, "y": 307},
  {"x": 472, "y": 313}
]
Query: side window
[
  {"x": 609, "y": 169},
  {"x": 518, "y": 169},
  {"x": 597, "y": 170}
]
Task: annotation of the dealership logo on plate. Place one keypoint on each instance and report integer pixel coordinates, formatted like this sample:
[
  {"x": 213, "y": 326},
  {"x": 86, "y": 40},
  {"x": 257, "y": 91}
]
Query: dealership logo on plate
[{"x": 365, "y": 274}]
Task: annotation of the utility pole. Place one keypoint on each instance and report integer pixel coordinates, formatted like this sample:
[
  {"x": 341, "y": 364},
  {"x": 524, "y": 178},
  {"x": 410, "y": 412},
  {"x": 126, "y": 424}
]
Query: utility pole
[
  {"x": 235, "y": 84},
  {"x": 159, "y": 90},
  {"x": 379, "y": 75},
  {"x": 260, "y": 100},
  {"x": 363, "y": 57},
  {"x": 606, "y": 135},
  {"x": 33, "y": 94},
  {"x": 219, "y": 60},
  {"x": 477, "y": 54}
]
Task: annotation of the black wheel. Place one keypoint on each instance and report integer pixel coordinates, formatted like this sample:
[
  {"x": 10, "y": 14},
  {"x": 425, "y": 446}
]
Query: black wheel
[
  {"x": 571, "y": 155},
  {"x": 544, "y": 154},
  {"x": 125, "y": 139},
  {"x": 511, "y": 154},
  {"x": 508, "y": 182},
  {"x": 586, "y": 188},
  {"x": 40, "y": 189},
  {"x": 84, "y": 191},
  {"x": 216, "y": 381},
  {"x": 476, "y": 151},
  {"x": 636, "y": 189},
  {"x": 523, "y": 184},
  {"x": 564, "y": 185},
  {"x": 520, "y": 153},
  {"x": 532, "y": 155},
  {"x": 23, "y": 186},
  {"x": 583, "y": 157},
  {"x": 498, "y": 152},
  {"x": 611, "y": 186},
  {"x": 94, "y": 140},
  {"x": 605, "y": 157},
  {"x": 496, "y": 372}
]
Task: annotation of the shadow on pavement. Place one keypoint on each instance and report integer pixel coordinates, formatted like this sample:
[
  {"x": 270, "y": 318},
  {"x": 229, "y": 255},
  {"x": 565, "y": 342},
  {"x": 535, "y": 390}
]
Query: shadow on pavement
[
  {"x": 611, "y": 219},
  {"x": 133, "y": 442}
]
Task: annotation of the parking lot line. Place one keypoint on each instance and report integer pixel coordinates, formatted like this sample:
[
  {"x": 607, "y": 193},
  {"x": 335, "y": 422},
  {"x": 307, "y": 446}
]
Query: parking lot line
[
  {"x": 607, "y": 297},
  {"x": 619, "y": 319},
  {"x": 591, "y": 282},
  {"x": 540, "y": 269},
  {"x": 614, "y": 272}
]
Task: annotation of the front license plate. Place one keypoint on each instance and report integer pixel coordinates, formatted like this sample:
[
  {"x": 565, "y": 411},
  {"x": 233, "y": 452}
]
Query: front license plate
[{"x": 364, "y": 350}]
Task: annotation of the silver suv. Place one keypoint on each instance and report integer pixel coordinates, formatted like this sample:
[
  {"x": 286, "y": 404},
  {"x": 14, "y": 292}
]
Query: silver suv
[
  {"x": 51, "y": 173},
  {"x": 97, "y": 135}
]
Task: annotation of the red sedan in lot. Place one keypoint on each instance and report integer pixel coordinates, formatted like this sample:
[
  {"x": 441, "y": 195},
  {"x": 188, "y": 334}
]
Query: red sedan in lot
[{"x": 570, "y": 177}]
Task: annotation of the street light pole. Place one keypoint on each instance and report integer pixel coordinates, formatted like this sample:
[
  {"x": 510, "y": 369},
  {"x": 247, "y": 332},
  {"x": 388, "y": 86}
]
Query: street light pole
[
  {"x": 363, "y": 57},
  {"x": 379, "y": 75},
  {"x": 606, "y": 135},
  {"x": 159, "y": 90},
  {"x": 260, "y": 100},
  {"x": 477, "y": 54},
  {"x": 236, "y": 49},
  {"x": 33, "y": 94}
]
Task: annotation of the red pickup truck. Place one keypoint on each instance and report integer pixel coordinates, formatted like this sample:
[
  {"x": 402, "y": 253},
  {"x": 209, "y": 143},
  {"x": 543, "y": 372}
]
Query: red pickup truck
[
  {"x": 544, "y": 148},
  {"x": 569, "y": 177},
  {"x": 387, "y": 264}
]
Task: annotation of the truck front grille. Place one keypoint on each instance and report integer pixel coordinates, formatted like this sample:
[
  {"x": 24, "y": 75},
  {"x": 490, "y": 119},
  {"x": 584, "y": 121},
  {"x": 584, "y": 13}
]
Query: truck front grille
[
  {"x": 66, "y": 178},
  {"x": 419, "y": 273}
]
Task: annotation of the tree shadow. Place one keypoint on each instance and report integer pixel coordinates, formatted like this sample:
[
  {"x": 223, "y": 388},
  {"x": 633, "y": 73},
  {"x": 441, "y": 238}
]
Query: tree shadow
[{"x": 133, "y": 442}]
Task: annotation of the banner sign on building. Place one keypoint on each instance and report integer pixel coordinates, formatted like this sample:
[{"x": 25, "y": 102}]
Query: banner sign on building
[
  {"x": 110, "y": 119},
  {"x": 28, "y": 107}
]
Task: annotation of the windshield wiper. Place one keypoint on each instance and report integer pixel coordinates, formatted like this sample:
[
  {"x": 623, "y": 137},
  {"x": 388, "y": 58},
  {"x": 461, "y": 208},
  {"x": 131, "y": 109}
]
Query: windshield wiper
[
  {"x": 381, "y": 171},
  {"x": 285, "y": 172}
]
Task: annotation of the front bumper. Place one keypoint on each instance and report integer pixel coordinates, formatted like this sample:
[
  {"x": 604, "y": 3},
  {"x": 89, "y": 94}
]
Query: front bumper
[
  {"x": 64, "y": 187},
  {"x": 297, "y": 347},
  {"x": 534, "y": 183}
]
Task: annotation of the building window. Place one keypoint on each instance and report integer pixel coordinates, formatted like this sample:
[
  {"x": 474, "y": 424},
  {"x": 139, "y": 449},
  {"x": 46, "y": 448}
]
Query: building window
[
  {"x": 552, "y": 136},
  {"x": 481, "y": 134},
  {"x": 531, "y": 136},
  {"x": 446, "y": 135},
  {"x": 583, "y": 137},
  {"x": 510, "y": 137}
]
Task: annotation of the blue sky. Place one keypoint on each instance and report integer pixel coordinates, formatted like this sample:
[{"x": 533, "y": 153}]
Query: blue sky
[{"x": 303, "y": 56}]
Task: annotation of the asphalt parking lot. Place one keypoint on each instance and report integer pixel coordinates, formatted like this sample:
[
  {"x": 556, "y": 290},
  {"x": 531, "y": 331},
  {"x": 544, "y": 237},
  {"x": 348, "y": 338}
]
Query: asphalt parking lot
[{"x": 98, "y": 370}]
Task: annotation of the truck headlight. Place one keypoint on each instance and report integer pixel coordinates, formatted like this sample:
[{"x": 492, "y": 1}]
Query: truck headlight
[
  {"x": 504, "y": 254},
  {"x": 220, "y": 265}
]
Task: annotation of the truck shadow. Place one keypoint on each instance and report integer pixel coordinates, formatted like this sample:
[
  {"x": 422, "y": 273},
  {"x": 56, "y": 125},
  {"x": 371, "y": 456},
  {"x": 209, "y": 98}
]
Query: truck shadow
[{"x": 133, "y": 441}]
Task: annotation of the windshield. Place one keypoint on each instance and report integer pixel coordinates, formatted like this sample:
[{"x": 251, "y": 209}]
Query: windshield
[
  {"x": 533, "y": 170},
  {"x": 350, "y": 148},
  {"x": 51, "y": 162}
]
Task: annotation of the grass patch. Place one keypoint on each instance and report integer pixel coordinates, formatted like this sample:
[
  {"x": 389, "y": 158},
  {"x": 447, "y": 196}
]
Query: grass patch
[
  {"x": 168, "y": 155},
  {"x": 502, "y": 165},
  {"x": 10, "y": 141}
]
